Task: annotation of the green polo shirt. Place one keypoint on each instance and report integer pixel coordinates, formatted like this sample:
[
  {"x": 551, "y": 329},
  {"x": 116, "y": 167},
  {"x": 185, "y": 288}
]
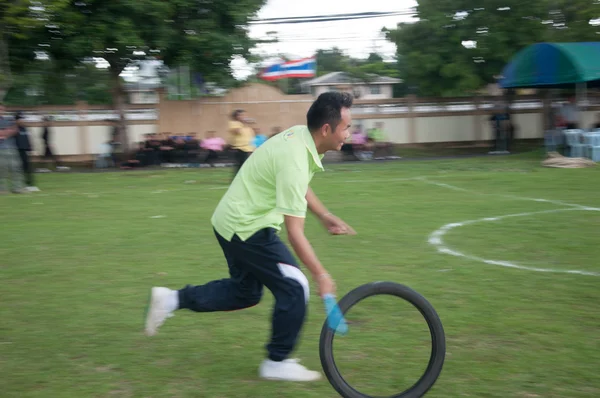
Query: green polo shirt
[{"x": 272, "y": 183}]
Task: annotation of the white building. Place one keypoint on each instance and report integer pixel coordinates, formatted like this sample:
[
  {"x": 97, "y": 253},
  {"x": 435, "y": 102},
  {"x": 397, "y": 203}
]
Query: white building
[
  {"x": 376, "y": 87},
  {"x": 143, "y": 93}
]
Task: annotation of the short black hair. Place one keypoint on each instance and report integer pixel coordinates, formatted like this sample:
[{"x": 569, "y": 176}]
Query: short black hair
[
  {"x": 236, "y": 113},
  {"x": 327, "y": 109}
]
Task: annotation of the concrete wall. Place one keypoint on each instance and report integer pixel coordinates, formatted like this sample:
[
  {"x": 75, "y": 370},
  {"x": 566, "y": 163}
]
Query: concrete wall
[
  {"x": 267, "y": 105},
  {"x": 82, "y": 140}
]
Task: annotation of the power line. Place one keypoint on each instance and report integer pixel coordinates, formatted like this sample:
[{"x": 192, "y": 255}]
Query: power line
[
  {"x": 327, "y": 18},
  {"x": 332, "y": 39}
]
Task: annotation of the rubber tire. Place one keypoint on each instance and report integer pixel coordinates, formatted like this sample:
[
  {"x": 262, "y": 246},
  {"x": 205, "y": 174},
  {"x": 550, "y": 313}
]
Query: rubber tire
[{"x": 436, "y": 329}]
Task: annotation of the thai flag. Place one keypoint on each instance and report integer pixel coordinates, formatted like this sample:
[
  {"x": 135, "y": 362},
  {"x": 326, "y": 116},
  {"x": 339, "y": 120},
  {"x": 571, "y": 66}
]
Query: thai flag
[{"x": 306, "y": 67}]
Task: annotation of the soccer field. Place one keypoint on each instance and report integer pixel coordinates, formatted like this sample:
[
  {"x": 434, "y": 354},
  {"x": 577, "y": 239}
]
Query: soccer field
[{"x": 505, "y": 250}]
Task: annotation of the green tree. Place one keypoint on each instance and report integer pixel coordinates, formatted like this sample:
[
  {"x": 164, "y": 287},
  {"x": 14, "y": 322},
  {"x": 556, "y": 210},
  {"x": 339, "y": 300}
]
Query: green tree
[
  {"x": 572, "y": 20},
  {"x": 18, "y": 19},
  {"x": 333, "y": 60},
  {"x": 204, "y": 34},
  {"x": 456, "y": 47}
]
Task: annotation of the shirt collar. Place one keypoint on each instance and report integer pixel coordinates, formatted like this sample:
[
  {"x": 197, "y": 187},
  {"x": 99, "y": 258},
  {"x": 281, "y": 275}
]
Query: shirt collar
[{"x": 312, "y": 148}]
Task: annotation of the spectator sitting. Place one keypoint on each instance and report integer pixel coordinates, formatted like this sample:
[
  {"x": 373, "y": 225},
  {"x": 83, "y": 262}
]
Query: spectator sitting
[
  {"x": 152, "y": 148},
  {"x": 361, "y": 147},
  {"x": 139, "y": 158},
  {"x": 192, "y": 147},
  {"x": 357, "y": 146},
  {"x": 214, "y": 145},
  {"x": 179, "y": 152},
  {"x": 377, "y": 138},
  {"x": 167, "y": 145}
]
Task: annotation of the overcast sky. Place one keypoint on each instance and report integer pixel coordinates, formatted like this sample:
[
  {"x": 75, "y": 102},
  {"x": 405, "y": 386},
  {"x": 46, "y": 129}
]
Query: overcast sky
[{"x": 357, "y": 37}]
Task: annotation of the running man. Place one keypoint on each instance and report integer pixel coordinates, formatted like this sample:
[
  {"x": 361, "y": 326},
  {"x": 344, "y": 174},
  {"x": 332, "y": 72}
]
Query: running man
[{"x": 271, "y": 189}]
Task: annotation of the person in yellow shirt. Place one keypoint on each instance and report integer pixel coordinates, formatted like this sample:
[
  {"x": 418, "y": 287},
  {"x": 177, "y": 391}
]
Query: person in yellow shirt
[{"x": 242, "y": 138}]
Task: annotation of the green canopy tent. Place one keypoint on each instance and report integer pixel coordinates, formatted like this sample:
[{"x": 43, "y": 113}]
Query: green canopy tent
[{"x": 554, "y": 65}]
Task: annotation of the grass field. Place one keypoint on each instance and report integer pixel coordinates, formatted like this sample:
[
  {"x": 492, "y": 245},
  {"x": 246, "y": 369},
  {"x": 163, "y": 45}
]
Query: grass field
[{"x": 77, "y": 261}]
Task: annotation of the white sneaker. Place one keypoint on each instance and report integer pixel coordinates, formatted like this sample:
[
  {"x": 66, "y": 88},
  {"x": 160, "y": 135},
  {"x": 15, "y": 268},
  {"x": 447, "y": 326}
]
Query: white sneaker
[
  {"x": 287, "y": 370},
  {"x": 33, "y": 189},
  {"x": 162, "y": 303}
]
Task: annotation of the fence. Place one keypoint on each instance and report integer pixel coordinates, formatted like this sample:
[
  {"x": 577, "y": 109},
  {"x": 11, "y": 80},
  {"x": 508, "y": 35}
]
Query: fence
[{"x": 79, "y": 131}]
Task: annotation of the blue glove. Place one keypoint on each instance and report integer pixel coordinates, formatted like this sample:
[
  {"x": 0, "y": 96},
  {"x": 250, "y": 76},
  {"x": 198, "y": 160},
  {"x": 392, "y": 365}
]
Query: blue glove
[{"x": 335, "y": 318}]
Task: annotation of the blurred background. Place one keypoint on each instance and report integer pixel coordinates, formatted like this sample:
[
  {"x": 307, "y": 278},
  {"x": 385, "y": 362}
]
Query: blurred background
[{"x": 428, "y": 76}]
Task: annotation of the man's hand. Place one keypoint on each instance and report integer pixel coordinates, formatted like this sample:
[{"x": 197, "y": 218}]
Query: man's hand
[
  {"x": 333, "y": 224},
  {"x": 325, "y": 284},
  {"x": 336, "y": 226}
]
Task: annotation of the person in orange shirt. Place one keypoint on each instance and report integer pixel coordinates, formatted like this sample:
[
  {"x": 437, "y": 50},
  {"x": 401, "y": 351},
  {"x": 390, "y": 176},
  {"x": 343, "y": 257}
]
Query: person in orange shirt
[{"x": 242, "y": 137}]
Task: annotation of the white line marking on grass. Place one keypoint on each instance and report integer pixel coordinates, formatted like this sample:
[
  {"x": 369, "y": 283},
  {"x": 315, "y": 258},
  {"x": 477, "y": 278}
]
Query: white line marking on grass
[
  {"x": 198, "y": 188},
  {"x": 436, "y": 239},
  {"x": 415, "y": 178},
  {"x": 441, "y": 184},
  {"x": 158, "y": 216},
  {"x": 382, "y": 180},
  {"x": 556, "y": 202}
]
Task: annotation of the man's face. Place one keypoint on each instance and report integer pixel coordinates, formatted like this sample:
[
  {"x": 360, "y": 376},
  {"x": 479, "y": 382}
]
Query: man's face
[{"x": 342, "y": 131}]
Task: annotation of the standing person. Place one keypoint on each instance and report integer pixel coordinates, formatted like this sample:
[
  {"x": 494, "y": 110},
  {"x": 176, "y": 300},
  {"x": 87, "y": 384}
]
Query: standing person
[
  {"x": 24, "y": 147},
  {"x": 48, "y": 153},
  {"x": 10, "y": 164},
  {"x": 242, "y": 136},
  {"x": 570, "y": 113},
  {"x": 271, "y": 189}
]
